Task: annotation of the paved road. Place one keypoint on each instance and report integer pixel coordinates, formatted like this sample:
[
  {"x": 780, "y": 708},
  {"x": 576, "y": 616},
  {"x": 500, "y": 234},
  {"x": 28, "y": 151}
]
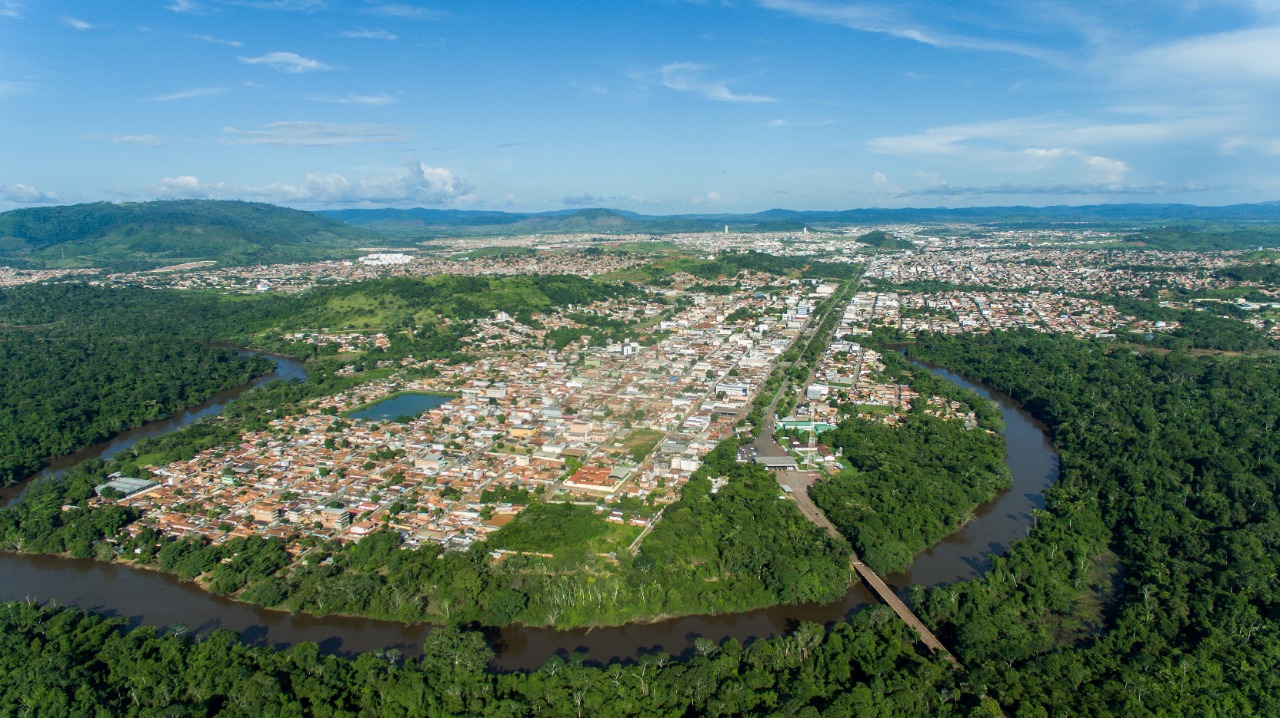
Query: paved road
[{"x": 797, "y": 484}]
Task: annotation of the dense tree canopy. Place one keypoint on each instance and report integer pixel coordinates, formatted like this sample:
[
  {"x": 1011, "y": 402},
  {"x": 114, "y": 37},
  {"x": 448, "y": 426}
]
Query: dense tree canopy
[
  {"x": 1149, "y": 584},
  {"x": 67, "y": 663}
]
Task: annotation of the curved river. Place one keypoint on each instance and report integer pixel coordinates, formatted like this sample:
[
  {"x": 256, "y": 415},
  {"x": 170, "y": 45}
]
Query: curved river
[{"x": 156, "y": 599}]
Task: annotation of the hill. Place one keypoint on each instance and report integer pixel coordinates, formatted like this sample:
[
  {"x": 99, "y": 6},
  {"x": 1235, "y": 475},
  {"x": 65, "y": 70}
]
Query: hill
[
  {"x": 398, "y": 302},
  {"x": 884, "y": 240},
  {"x": 436, "y": 222},
  {"x": 424, "y": 223},
  {"x": 143, "y": 235}
]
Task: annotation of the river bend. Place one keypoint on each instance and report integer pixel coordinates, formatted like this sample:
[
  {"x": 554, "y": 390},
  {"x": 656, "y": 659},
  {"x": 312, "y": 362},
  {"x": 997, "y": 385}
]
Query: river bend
[{"x": 157, "y": 599}]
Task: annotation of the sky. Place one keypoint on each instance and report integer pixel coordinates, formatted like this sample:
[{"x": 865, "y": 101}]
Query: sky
[{"x": 654, "y": 106}]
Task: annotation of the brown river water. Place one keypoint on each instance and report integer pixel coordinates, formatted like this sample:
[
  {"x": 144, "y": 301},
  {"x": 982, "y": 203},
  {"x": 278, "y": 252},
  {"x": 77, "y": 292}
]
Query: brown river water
[{"x": 156, "y": 599}]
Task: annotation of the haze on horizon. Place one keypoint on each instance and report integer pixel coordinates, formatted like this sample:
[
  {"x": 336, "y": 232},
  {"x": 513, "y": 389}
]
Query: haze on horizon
[{"x": 657, "y": 106}]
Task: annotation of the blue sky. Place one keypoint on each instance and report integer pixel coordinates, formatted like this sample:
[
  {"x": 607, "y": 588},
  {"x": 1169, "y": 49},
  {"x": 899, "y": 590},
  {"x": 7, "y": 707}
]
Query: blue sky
[{"x": 656, "y": 106}]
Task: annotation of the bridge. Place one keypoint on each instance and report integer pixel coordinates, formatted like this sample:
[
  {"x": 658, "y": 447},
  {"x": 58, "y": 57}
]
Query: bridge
[{"x": 797, "y": 484}]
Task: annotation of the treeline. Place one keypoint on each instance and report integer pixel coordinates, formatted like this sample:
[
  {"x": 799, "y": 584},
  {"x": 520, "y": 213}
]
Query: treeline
[
  {"x": 60, "y": 396},
  {"x": 910, "y": 485},
  {"x": 83, "y": 363},
  {"x": 58, "y": 310},
  {"x": 1207, "y": 236},
  {"x": 736, "y": 549},
  {"x": 1199, "y": 328},
  {"x": 62, "y": 662},
  {"x": 1262, "y": 273},
  {"x": 729, "y": 264},
  {"x": 1148, "y": 584}
]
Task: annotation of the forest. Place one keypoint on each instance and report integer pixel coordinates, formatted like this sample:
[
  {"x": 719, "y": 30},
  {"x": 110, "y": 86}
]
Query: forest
[
  {"x": 82, "y": 364},
  {"x": 64, "y": 395},
  {"x": 1148, "y": 585},
  {"x": 1152, "y": 566},
  {"x": 909, "y": 486},
  {"x": 63, "y": 662}
]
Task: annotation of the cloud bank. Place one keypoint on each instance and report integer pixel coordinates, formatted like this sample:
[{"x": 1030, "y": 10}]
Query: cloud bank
[{"x": 417, "y": 184}]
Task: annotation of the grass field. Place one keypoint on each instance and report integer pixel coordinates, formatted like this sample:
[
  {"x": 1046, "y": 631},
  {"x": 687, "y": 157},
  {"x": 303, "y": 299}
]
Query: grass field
[
  {"x": 562, "y": 528},
  {"x": 642, "y": 442}
]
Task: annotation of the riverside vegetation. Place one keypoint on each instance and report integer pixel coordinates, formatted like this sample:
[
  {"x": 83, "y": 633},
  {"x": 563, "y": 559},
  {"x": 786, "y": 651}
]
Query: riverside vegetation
[
  {"x": 910, "y": 485},
  {"x": 1151, "y": 567},
  {"x": 699, "y": 558}
]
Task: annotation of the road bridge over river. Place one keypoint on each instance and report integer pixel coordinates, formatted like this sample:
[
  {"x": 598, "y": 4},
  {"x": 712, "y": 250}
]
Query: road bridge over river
[{"x": 796, "y": 484}]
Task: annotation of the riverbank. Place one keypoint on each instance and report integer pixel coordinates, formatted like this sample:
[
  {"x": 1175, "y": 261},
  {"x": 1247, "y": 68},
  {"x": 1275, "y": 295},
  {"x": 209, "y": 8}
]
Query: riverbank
[
  {"x": 159, "y": 599},
  {"x": 286, "y": 368}
]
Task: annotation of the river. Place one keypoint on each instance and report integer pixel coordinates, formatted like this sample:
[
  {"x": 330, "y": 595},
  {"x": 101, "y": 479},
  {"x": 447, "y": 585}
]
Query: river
[
  {"x": 286, "y": 368},
  {"x": 152, "y": 598}
]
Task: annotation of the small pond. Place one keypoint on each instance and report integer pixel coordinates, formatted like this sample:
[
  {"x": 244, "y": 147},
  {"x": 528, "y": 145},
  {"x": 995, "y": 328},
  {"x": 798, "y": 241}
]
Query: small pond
[{"x": 409, "y": 403}]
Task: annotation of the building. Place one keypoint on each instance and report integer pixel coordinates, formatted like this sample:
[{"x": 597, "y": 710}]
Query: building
[{"x": 125, "y": 486}]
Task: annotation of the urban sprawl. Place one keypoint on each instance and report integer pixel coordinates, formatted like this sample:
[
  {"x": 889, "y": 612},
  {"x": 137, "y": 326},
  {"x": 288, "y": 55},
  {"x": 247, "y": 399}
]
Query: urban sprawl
[{"x": 619, "y": 426}]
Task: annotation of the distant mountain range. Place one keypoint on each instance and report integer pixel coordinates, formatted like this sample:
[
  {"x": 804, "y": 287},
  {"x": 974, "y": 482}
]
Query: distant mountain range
[
  {"x": 142, "y": 235},
  {"x": 426, "y": 222}
]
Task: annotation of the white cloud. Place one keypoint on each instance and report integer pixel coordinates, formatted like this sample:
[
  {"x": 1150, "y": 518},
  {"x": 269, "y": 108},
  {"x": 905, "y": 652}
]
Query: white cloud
[
  {"x": 946, "y": 189},
  {"x": 690, "y": 77},
  {"x": 316, "y": 134},
  {"x": 290, "y": 62},
  {"x": 13, "y": 89},
  {"x": 799, "y": 123},
  {"x": 1032, "y": 132},
  {"x": 593, "y": 200},
  {"x": 25, "y": 194},
  {"x": 1229, "y": 58},
  {"x": 11, "y": 9},
  {"x": 1107, "y": 170},
  {"x": 895, "y": 21},
  {"x": 188, "y": 94},
  {"x": 416, "y": 184},
  {"x": 406, "y": 11},
  {"x": 186, "y": 186},
  {"x": 1102, "y": 170},
  {"x": 1073, "y": 157},
  {"x": 286, "y": 5},
  {"x": 145, "y": 140},
  {"x": 379, "y": 99},
  {"x": 186, "y": 7},
  {"x": 1237, "y": 145},
  {"x": 76, "y": 23},
  {"x": 217, "y": 41},
  {"x": 363, "y": 34},
  {"x": 712, "y": 197}
]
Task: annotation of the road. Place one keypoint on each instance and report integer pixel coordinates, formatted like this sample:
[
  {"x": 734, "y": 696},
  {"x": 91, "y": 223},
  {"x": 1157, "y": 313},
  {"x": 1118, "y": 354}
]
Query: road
[{"x": 797, "y": 484}]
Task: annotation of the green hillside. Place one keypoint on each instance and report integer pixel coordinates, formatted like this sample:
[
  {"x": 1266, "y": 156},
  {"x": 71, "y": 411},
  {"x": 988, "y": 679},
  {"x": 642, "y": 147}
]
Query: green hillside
[
  {"x": 142, "y": 235},
  {"x": 398, "y": 302},
  {"x": 883, "y": 240}
]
